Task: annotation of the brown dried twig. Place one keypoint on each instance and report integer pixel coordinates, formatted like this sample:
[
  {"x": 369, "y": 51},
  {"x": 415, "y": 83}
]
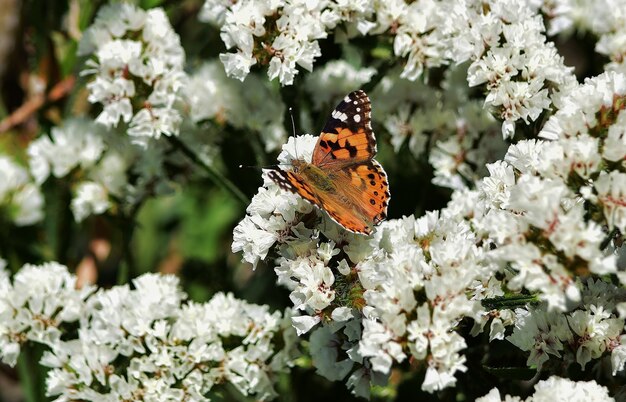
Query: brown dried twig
[{"x": 22, "y": 113}]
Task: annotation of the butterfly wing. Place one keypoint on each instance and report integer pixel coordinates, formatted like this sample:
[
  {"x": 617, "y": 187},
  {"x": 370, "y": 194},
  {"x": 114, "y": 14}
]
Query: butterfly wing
[
  {"x": 359, "y": 202},
  {"x": 340, "y": 207},
  {"x": 347, "y": 136},
  {"x": 361, "y": 199},
  {"x": 290, "y": 181}
]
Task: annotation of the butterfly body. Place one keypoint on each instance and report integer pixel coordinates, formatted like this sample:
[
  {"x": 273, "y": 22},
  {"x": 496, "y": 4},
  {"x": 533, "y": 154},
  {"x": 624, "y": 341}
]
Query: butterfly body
[
  {"x": 314, "y": 175},
  {"x": 342, "y": 177}
]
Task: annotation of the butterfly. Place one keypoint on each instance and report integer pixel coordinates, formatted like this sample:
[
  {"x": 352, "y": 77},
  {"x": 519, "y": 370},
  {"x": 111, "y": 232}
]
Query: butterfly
[{"x": 342, "y": 178}]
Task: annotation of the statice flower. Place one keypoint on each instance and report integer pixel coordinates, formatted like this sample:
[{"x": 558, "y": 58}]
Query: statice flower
[
  {"x": 445, "y": 124},
  {"x": 146, "y": 342},
  {"x": 517, "y": 65},
  {"x": 78, "y": 143},
  {"x": 136, "y": 69},
  {"x": 603, "y": 18},
  {"x": 556, "y": 389},
  {"x": 273, "y": 216},
  {"x": 542, "y": 192},
  {"x": 35, "y": 304},
  {"x": 281, "y": 35},
  {"x": 21, "y": 200},
  {"x": 85, "y": 153},
  {"x": 417, "y": 35},
  {"x": 590, "y": 331},
  {"x": 400, "y": 294}
]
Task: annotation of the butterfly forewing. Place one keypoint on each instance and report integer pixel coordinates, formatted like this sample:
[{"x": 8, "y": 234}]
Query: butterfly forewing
[
  {"x": 347, "y": 135},
  {"x": 293, "y": 182}
]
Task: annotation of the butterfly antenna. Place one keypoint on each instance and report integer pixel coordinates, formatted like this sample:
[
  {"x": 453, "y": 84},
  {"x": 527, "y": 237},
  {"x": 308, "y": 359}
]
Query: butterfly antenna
[
  {"x": 261, "y": 167},
  {"x": 293, "y": 130},
  {"x": 293, "y": 124}
]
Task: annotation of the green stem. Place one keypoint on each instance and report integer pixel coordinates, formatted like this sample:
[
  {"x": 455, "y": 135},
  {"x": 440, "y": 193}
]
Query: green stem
[
  {"x": 127, "y": 269},
  {"x": 26, "y": 375},
  {"x": 214, "y": 175},
  {"x": 509, "y": 302},
  {"x": 608, "y": 239}
]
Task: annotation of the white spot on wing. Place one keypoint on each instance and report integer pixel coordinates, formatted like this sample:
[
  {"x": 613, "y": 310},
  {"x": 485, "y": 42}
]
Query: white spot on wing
[
  {"x": 357, "y": 118},
  {"x": 347, "y": 99},
  {"x": 358, "y": 109},
  {"x": 339, "y": 115}
]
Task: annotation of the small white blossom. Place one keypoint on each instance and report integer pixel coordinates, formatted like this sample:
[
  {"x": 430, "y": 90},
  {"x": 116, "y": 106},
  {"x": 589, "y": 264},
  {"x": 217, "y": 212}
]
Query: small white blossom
[
  {"x": 132, "y": 47},
  {"x": 20, "y": 197},
  {"x": 557, "y": 389},
  {"x": 77, "y": 143}
]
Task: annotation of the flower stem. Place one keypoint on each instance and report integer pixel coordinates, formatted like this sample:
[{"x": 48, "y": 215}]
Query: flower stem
[
  {"x": 213, "y": 174},
  {"x": 27, "y": 375}
]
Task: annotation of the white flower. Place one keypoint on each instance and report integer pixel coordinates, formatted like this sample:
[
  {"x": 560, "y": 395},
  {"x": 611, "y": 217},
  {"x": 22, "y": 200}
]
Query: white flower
[
  {"x": 35, "y": 305},
  {"x": 540, "y": 333},
  {"x": 335, "y": 79},
  {"x": 145, "y": 331},
  {"x": 78, "y": 142},
  {"x": 556, "y": 389},
  {"x": 131, "y": 46},
  {"x": 565, "y": 390},
  {"x": 611, "y": 189},
  {"x": 21, "y": 198},
  {"x": 91, "y": 198},
  {"x": 595, "y": 330}
]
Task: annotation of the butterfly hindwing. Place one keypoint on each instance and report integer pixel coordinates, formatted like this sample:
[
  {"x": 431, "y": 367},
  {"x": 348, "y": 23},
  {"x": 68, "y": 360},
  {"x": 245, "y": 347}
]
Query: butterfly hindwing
[
  {"x": 371, "y": 180},
  {"x": 347, "y": 135}
]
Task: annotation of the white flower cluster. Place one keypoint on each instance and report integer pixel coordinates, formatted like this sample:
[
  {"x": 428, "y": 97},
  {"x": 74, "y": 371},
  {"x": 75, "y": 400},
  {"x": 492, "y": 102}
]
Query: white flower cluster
[
  {"x": 551, "y": 207},
  {"x": 366, "y": 291},
  {"x": 503, "y": 40},
  {"x": 586, "y": 333},
  {"x": 556, "y": 389},
  {"x": 146, "y": 343},
  {"x": 281, "y": 34},
  {"x": 137, "y": 63},
  {"x": 34, "y": 304},
  {"x": 252, "y": 104},
  {"x": 20, "y": 198},
  {"x": 272, "y": 214},
  {"x": 333, "y": 80},
  {"x": 605, "y": 19},
  {"x": 541, "y": 218},
  {"x": 81, "y": 148},
  {"x": 543, "y": 193},
  {"x": 511, "y": 57},
  {"x": 456, "y": 132}
]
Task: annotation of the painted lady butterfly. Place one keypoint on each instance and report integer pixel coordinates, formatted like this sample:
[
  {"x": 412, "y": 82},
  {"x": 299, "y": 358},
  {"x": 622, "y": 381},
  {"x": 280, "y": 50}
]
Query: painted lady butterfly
[{"x": 343, "y": 179}]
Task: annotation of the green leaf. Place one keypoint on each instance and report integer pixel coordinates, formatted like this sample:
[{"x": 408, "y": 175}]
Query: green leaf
[
  {"x": 204, "y": 221},
  {"x": 146, "y": 4}
]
